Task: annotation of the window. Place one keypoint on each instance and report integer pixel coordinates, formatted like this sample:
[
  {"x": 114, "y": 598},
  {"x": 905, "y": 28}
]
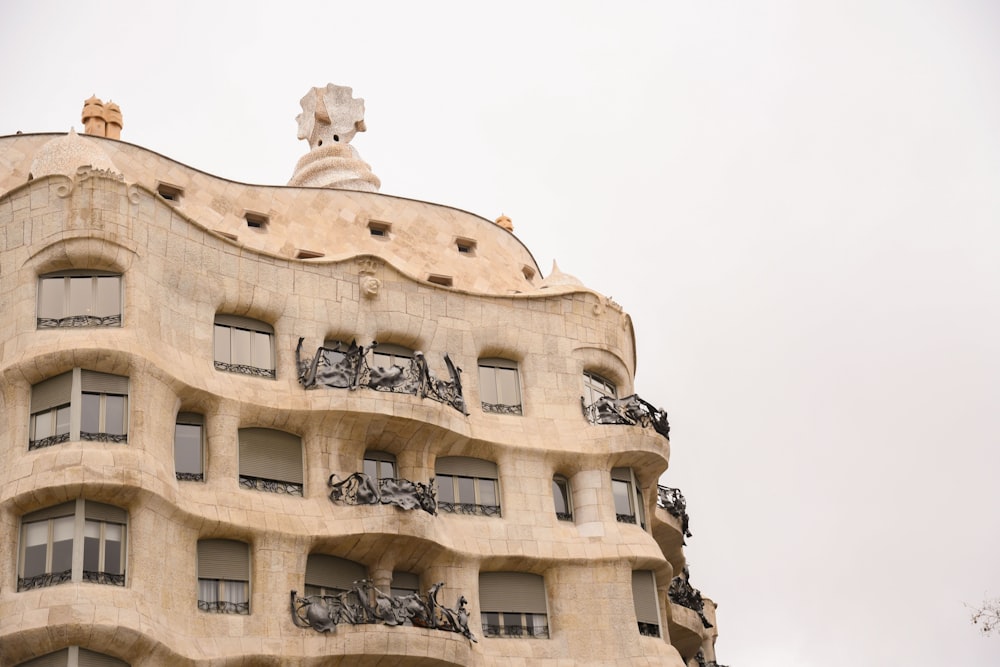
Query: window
[
  {"x": 562, "y": 498},
  {"x": 379, "y": 465},
  {"x": 189, "y": 456},
  {"x": 171, "y": 193},
  {"x": 256, "y": 221},
  {"x": 438, "y": 279},
  {"x": 513, "y": 605},
  {"x": 47, "y": 554},
  {"x": 645, "y": 601},
  {"x": 404, "y": 583},
  {"x": 330, "y": 575},
  {"x": 379, "y": 229},
  {"x": 465, "y": 246},
  {"x": 79, "y": 299},
  {"x": 79, "y": 405},
  {"x": 74, "y": 656},
  {"x": 224, "y": 576},
  {"x": 596, "y": 387},
  {"x": 270, "y": 461},
  {"x": 628, "y": 499},
  {"x": 528, "y": 273},
  {"x": 386, "y": 355},
  {"x": 244, "y": 346},
  {"x": 467, "y": 486},
  {"x": 499, "y": 389}
]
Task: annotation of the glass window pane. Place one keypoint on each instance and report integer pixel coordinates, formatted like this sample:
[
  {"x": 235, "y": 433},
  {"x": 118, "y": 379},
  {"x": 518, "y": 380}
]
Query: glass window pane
[
  {"x": 559, "y": 496},
  {"x": 91, "y": 554},
  {"x": 488, "y": 492},
  {"x": 187, "y": 448},
  {"x": 466, "y": 490},
  {"x": 62, "y": 420},
  {"x": 380, "y": 360},
  {"x": 488, "y": 385},
  {"x": 113, "y": 534},
  {"x": 50, "y": 297},
  {"x": 262, "y": 350},
  {"x": 623, "y": 499},
  {"x": 386, "y": 470},
  {"x": 114, "y": 422},
  {"x": 81, "y": 296},
  {"x": 222, "y": 351},
  {"x": 90, "y": 413},
  {"x": 234, "y": 591},
  {"x": 371, "y": 468},
  {"x": 242, "y": 347},
  {"x": 510, "y": 393},
  {"x": 43, "y": 425},
  {"x": 62, "y": 544},
  {"x": 512, "y": 624},
  {"x": 208, "y": 590},
  {"x": 446, "y": 488},
  {"x": 36, "y": 540},
  {"x": 108, "y": 296}
]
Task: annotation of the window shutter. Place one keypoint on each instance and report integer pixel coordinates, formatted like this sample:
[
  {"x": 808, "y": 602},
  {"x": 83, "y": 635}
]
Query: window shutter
[
  {"x": 466, "y": 467},
  {"x": 332, "y": 572},
  {"x": 92, "y": 659},
  {"x": 52, "y": 393},
  {"x": 102, "y": 512},
  {"x": 622, "y": 474},
  {"x": 54, "y": 512},
  {"x": 103, "y": 383},
  {"x": 223, "y": 559},
  {"x": 644, "y": 597},
  {"x": 498, "y": 363},
  {"x": 243, "y": 323},
  {"x": 407, "y": 580},
  {"x": 271, "y": 454},
  {"x": 56, "y": 659},
  {"x": 190, "y": 418},
  {"x": 512, "y": 591}
]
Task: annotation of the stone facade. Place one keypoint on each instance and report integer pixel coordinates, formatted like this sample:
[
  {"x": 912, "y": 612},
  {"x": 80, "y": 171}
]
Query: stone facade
[{"x": 309, "y": 265}]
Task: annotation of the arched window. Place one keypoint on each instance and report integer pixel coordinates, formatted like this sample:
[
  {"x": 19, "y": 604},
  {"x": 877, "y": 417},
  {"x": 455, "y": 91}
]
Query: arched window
[
  {"x": 243, "y": 345},
  {"x": 467, "y": 486},
  {"x": 48, "y": 536},
  {"x": 224, "y": 576},
  {"x": 79, "y": 298},
  {"x": 379, "y": 465},
  {"x": 499, "y": 387},
  {"x": 330, "y": 575},
  {"x": 270, "y": 460},
  {"x": 513, "y": 605},
  {"x": 79, "y": 405}
]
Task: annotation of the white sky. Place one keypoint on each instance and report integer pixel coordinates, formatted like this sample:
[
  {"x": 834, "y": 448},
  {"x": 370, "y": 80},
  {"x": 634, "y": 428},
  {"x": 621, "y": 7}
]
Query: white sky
[{"x": 797, "y": 202}]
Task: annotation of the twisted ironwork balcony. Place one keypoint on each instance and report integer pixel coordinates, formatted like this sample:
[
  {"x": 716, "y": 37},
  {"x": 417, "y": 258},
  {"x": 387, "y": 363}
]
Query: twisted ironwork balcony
[
  {"x": 270, "y": 485},
  {"x": 43, "y": 580},
  {"x": 347, "y": 367},
  {"x": 190, "y": 476},
  {"x": 224, "y": 607},
  {"x": 48, "y": 442},
  {"x": 107, "y": 578},
  {"x": 682, "y": 593},
  {"x": 245, "y": 369},
  {"x": 673, "y": 501},
  {"x": 360, "y": 489},
  {"x": 77, "y": 321},
  {"x": 503, "y": 409},
  {"x": 629, "y": 411},
  {"x": 649, "y": 629}
]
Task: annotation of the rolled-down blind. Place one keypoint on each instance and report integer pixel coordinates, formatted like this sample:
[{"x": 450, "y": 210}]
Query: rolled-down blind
[
  {"x": 54, "y": 512},
  {"x": 92, "y": 659},
  {"x": 406, "y": 580},
  {"x": 622, "y": 474},
  {"x": 52, "y": 393},
  {"x": 644, "y": 597},
  {"x": 101, "y": 512},
  {"x": 512, "y": 591},
  {"x": 56, "y": 659},
  {"x": 190, "y": 418},
  {"x": 244, "y": 323},
  {"x": 270, "y": 454},
  {"x": 465, "y": 466},
  {"x": 223, "y": 559},
  {"x": 103, "y": 383},
  {"x": 332, "y": 572}
]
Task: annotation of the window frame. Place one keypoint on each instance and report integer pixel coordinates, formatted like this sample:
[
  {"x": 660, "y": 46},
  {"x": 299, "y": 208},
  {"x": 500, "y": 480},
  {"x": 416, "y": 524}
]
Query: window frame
[
  {"x": 77, "y": 516},
  {"x": 220, "y": 562},
  {"x": 596, "y": 386},
  {"x": 224, "y": 332},
  {"x": 258, "y": 472},
  {"x": 379, "y": 458},
  {"x": 76, "y": 390},
  {"x": 190, "y": 419},
  {"x": 491, "y": 372},
  {"x": 71, "y": 314},
  {"x": 452, "y": 496},
  {"x": 636, "y": 513},
  {"x": 646, "y": 602},
  {"x": 561, "y": 489},
  {"x": 329, "y": 575},
  {"x": 513, "y": 605}
]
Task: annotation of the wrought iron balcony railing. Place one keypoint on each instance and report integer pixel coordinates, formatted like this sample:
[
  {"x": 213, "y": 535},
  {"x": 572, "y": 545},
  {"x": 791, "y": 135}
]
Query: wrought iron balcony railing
[
  {"x": 245, "y": 369},
  {"x": 360, "y": 489},
  {"x": 682, "y": 593},
  {"x": 347, "y": 367},
  {"x": 224, "y": 607},
  {"x": 270, "y": 485},
  {"x": 631, "y": 411},
  {"x": 673, "y": 501},
  {"x": 44, "y": 580},
  {"x": 49, "y": 441},
  {"x": 74, "y": 321},
  {"x": 469, "y": 508}
]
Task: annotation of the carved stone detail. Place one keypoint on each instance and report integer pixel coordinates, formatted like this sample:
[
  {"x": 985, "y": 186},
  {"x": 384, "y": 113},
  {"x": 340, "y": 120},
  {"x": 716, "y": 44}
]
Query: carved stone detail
[{"x": 360, "y": 489}]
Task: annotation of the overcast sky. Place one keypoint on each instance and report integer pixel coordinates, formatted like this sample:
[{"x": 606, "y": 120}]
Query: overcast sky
[{"x": 797, "y": 202}]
